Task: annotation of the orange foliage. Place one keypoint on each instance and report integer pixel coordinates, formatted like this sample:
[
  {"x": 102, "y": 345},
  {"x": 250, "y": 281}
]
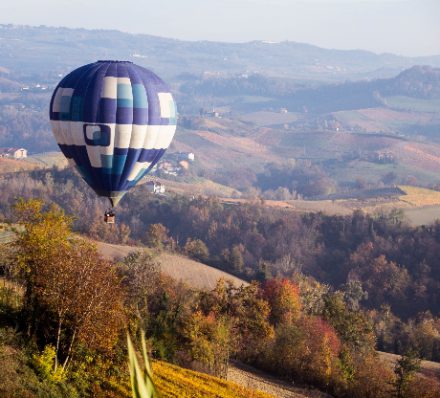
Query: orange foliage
[
  {"x": 284, "y": 300},
  {"x": 322, "y": 347}
]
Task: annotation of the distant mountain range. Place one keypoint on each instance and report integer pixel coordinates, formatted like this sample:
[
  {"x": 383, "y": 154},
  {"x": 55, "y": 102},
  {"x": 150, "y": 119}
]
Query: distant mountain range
[{"x": 46, "y": 52}]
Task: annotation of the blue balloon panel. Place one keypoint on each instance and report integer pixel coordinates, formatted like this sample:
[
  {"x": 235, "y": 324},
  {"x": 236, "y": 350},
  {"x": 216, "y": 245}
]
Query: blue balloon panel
[{"x": 114, "y": 120}]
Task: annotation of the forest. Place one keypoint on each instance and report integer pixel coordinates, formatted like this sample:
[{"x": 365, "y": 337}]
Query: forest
[
  {"x": 378, "y": 263},
  {"x": 67, "y": 309}
]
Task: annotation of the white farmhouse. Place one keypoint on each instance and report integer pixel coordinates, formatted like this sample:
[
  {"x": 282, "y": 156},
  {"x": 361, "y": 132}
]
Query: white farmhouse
[{"x": 14, "y": 153}]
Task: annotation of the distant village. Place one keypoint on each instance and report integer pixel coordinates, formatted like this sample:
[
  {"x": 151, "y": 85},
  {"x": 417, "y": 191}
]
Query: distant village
[{"x": 172, "y": 164}]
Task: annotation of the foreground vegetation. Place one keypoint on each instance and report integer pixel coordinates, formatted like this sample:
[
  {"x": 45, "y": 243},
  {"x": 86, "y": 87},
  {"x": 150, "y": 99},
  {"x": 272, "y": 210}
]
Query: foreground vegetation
[{"x": 65, "y": 312}]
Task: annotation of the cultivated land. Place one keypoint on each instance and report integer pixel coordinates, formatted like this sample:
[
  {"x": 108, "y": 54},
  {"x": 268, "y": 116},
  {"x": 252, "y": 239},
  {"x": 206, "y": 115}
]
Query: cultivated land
[
  {"x": 173, "y": 381},
  {"x": 250, "y": 377}
]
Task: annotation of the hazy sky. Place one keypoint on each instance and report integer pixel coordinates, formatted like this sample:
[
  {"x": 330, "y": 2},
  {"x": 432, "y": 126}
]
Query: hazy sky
[{"x": 407, "y": 27}]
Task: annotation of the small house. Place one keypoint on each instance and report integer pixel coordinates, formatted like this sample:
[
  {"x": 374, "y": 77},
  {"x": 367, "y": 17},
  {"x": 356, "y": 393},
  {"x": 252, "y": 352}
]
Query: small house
[
  {"x": 155, "y": 187},
  {"x": 14, "y": 153}
]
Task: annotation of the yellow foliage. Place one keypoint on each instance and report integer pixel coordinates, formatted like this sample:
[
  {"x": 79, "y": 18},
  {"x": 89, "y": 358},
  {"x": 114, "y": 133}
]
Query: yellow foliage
[
  {"x": 176, "y": 382},
  {"x": 45, "y": 361},
  {"x": 173, "y": 381}
]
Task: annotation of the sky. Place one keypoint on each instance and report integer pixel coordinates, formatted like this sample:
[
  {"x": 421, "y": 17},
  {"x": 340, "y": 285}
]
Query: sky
[{"x": 404, "y": 27}]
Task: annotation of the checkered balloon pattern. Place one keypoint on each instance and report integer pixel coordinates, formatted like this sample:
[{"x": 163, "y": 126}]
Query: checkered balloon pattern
[{"x": 113, "y": 120}]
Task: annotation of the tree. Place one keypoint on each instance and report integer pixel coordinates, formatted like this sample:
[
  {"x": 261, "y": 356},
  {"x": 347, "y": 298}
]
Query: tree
[
  {"x": 370, "y": 378},
  {"x": 83, "y": 293},
  {"x": 354, "y": 294},
  {"x": 306, "y": 350},
  {"x": 209, "y": 342},
  {"x": 236, "y": 258},
  {"x": 157, "y": 236},
  {"x": 197, "y": 249},
  {"x": 251, "y": 326},
  {"x": 73, "y": 296},
  {"x": 405, "y": 369},
  {"x": 141, "y": 280},
  {"x": 353, "y": 327},
  {"x": 284, "y": 300}
]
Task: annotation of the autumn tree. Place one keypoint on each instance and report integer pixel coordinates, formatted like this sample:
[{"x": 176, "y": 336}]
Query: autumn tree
[
  {"x": 306, "y": 350},
  {"x": 197, "y": 249},
  {"x": 140, "y": 274},
  {"x": 353, "y": 327},
  {"x": 73, "y": 296},
  {"x": 157, "y": 236},
  {"x": 368, "y": 377},
  {"x": 249, "y": 313},
  {"x": 284, "y": 300},
  {"x": 251, "y": 325},
  {"x": 209, "y": 342},
  {"x": 236, "y": 258}
]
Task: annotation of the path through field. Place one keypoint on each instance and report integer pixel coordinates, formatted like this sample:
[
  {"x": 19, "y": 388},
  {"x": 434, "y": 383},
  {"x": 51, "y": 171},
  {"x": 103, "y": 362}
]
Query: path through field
[{"x": 250, "y": 377}]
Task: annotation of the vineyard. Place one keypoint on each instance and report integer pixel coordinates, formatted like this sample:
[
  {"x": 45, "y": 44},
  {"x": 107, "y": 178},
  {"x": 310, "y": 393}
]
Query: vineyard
[{"x": 175, "y": 382}]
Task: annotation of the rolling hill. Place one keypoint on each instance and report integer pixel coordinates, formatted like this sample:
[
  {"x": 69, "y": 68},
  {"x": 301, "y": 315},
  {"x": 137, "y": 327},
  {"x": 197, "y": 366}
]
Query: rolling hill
[{"x": 193, "y": 273}]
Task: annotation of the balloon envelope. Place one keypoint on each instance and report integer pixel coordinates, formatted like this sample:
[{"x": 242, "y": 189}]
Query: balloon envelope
[{"x": 113, "y": 120}]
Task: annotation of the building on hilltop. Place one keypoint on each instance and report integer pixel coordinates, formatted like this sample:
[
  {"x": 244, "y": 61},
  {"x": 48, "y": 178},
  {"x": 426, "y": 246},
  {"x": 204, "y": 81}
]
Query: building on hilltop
[
  {"x": 14, "y": 153},
  {"x": 155, "y": 187}
]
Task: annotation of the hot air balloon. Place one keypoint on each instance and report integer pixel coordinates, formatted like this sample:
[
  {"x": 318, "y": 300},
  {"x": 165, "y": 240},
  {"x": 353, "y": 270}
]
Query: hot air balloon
[{"x": 113, "y": 120}]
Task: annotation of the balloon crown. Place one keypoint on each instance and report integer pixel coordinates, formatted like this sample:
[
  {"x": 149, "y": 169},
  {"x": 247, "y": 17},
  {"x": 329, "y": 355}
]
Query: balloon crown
[{"x": 115, "y": 61}]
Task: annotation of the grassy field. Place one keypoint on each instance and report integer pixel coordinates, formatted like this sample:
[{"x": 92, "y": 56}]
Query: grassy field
[
  {"x": 12, "y": 165},
  {"x": 197, "y": 186},
  {"x": 382, "y": 120},
  {"x": 331, "y": 207},
  {"x": 32, "y": 162},
  {"x": 193, "y": 273},
  {"x": 421, "y": 206},
  {"x": 48, "y": 160},
  {"x": 250, "y": 377}
]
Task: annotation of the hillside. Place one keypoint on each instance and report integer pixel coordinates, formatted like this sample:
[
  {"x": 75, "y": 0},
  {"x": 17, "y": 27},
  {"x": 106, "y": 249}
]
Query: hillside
[
  {"x": 427, "y": 368},
  {"x": 19, "y": 376},
  {"x": 180, "y": 268},
  {"x": 250, "y": 377},
  {"x": 350, "y": 120},
  {"x": 173, "y": 381}
]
